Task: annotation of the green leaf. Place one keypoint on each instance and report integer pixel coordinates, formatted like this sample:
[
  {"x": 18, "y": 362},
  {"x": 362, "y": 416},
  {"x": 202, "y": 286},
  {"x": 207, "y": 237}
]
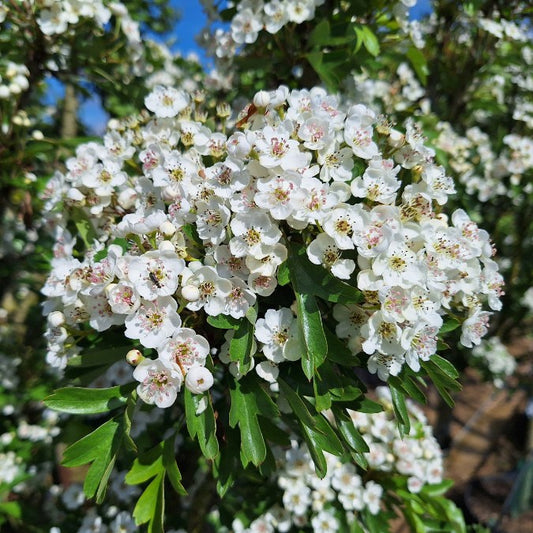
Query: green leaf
[
  {"x": 349, "y": 432},
  {"x": 419, "y": 64},
  {"x": 445, "y": 367},
  {"x": 99, "y": 357},
  {"x": 400, "y": 410},
  {"x": 84, "y": 227},
  {"x": 10, "y": 508},
  {"x": 171, "y": 467},
  {"x": 437, "y": 489},
  {"x": 319, "y": 439},
  {"x": 246, "y": 398},
  {"x": 150, "y": 505},
  {"x": 283, "y": 274},
  {"x": 453, "y": 515},
  {"x": 201, "y": 426},
  {"x": 442, "y": 373},
  {"x": 323, "y": 70},
  {"x": 310, "y": 322},
  {"x": 240, "y": 348},
  {"x": 154, "y": 464},
  {"x": 148, "y": 465},
  {"x": 315, "y": 449},
  {"x": 370, "y": 41},
  {"x": 225, "y": 465},
  {"x": 408, "y": 384},
  {"x": 223, "y": 322},
  {"x": 100, "y": 448},
  {"x": 297, "y": 404},
  {"x": 321, "y": 34},
  {"x": 77, "y": 400},
  {"x": 449, "y": 325}
]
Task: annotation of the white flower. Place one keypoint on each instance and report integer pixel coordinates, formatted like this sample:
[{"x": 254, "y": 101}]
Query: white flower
[
  {"x": 155, "y": 273},
  {"x": 276, "y": 148},
  {"x": 122, "y": 297},
  {"x": 198, "y": 379},
  {"x": 245, "y": 26},
  {"x": 153, "y": 321},
  {"x": 297, "y": 497},
  {"x": 358, "y": 131},
  {"x": 337, "y": 163},
  {"x": 323, "y": 251},
  {"x": 239, "y": 300},
  {"x": 372, "y": 496},
  {"x": 378, "y": 183},
  {"x": 159, "y": 384},
  {"x": 280, "y": 194},
  {"x": 340, "y": 225},
  {"x": 419, "y": 342},
  {"x": 214, "y": 290},
  {"x": 399, "y": 265},
  {"x": 278, "y": 332},
  {"x": 251, "y": 231},
  {"x": 184, "y": 349},
  {"x": 268, "y": 371},
  {"x": 211, "y": 221},
  {"x": 325, "y": 522},
  {"x": 276, "y": 15},
  {"x": 474, "y": 327},
  {"x": 166, "y": 101}
]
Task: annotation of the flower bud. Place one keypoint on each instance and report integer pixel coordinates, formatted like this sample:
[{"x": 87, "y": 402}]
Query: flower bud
[
  {"x": 190, "y": 293},
  {"x": 56, "y": 319},
  {"x": 198, "y": 379},
  {"x": 167, "y": 228},
  {"x": 262, "y": 99},
  {"x": 134, "y": 357},
  {"x": 126, "y": 198},
  {"x": 166, "y": 246}
]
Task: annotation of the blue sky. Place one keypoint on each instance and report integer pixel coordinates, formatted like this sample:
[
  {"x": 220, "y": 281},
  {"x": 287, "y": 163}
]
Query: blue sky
[{"x": 191, "y": 22}]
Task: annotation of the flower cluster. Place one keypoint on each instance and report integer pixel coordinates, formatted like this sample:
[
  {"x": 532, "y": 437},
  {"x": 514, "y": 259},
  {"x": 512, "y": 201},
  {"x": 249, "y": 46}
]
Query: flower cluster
[
  {"x": 253, "y": 16},
  {"x": 13, "y": 79},
  {"x": 493, "y": 358},
  {"x": 334, "y": 502},
  {"x": 185, "y": 222}
]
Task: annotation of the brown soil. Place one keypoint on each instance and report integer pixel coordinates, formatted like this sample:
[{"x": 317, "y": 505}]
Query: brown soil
[{"x": 489, "y": 443}]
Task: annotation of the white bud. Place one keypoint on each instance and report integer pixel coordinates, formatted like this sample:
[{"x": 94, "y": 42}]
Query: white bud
[
  {"x": 4, "y": 92},
  {"x": 262, "y": 99},
  {"x": 198, "y": 379},
  {"x": 37, "y": 135},
  {"x": 396, "y": 138},
  {"x": 169, "y": 194},
  {"x": 126, "y": 198},
  {"x": 56, "y": 319},
  {"x": 166, "y": 246},
  {"x": 167, "y": 228},
  {"x": 190, "y": 293},
  {"x": 15, "y": 88},
  {"x": 134, "y": 357},
  {"x": 113, "y": 124}
]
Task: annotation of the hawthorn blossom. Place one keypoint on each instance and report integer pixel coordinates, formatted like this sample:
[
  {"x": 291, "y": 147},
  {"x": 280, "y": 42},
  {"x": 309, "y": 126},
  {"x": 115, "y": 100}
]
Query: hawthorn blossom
[
  {"x": 166, "y": 101},
  {"x": 159, "y": 384},
  {"x": 153, "y": 321},
  {"x": 213, "y": 290},
  {"x": 278, "y": 333},
  {"x": 155, "y": 273},
  {"x": 184, "y": 349},
  {"x": 323, "y": 251}
]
